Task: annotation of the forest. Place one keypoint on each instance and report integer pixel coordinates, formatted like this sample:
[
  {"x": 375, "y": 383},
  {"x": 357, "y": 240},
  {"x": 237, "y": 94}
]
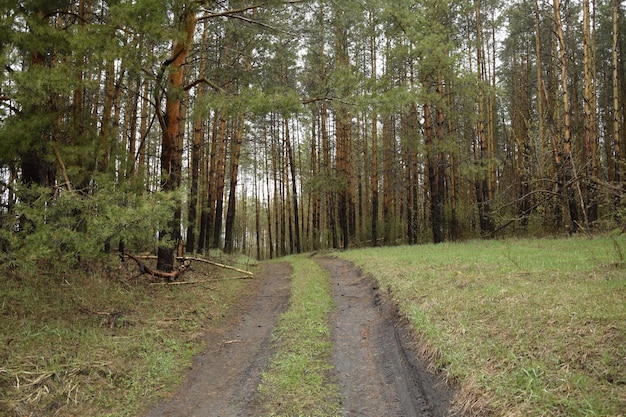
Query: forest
[{"x": 278, "y": 127}]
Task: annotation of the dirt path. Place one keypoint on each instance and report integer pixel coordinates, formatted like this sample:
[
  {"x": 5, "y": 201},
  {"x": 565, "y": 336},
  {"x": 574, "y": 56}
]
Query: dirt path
[
  {"x": 223, "y": 380},
  {"x": 376, "y": 370}
]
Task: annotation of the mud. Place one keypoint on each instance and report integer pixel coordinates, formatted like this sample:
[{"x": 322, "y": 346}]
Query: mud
[
  {"x": 376, "y": 363},
  {"x": 376, "y": 367},
  {"x": 222, "y": 381}
]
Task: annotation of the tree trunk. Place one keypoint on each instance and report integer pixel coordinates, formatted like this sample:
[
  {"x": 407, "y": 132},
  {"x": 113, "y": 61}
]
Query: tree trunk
[
  {"x": 388, "y": 174},
  {"x": 218, "y": 196},
  {"x": 615, "y": 166},
  {"x": 590, "y": 135},
  {"x": 196, "y": 156},
  {"x": 171, "y": 143},
  {"x": 235, "y": 153},
  {"x": 294, "y": 188},
  {"x": 432, "y": 170},
  {"x": 566, "y": 158}
]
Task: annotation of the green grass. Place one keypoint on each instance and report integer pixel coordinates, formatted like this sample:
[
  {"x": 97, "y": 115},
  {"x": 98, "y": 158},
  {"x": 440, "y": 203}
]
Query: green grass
[
  {"x": 94, "y": 343},
  {"x": 299, "y": 380},
  {"x": 524, "y": 327}
]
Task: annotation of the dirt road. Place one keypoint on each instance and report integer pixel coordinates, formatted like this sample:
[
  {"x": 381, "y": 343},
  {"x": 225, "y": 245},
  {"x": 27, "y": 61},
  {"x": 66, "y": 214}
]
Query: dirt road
[{"x": 378, "y": 372}]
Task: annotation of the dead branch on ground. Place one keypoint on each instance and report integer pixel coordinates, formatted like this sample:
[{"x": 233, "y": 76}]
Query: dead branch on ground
[{"x": 169, "y": 276}]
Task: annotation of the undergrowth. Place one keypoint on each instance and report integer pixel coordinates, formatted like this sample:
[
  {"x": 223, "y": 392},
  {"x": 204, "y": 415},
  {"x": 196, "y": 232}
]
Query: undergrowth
[
  {"x": 98, "y": 342},
  {"x": 524, "y": 327}
]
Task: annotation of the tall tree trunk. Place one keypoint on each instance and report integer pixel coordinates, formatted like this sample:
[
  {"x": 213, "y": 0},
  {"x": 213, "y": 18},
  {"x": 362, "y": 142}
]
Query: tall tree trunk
[
  {"x": 235, "y": 153},
  {"x": 192, "y": 210},
  {"x": 483, "y": 187},
  {"x": 590, "y": 135},
  {"x": 567, "y": 163},
  {"x": 316, "y": 202},
  {"x": 208, "y": 194},
  {"x": 104, "y": 137},
  {"x": 374, "y": 135},
  {"x": 388, "y": 174},
  {"x": 294, "y": 187},
  {"x": 330, "y": 195},
  {"x": 440, "y": 195},
  {"x": 196, "y": 155},
  {"x": 374, "y": 180},
  {"x": 268, "y": 191},
  {"x": 171, "y": 143},
  {"x": 616, "y": 167},
  {"x": 217, "y": 199},
  {"x": 432, "y": 170}
]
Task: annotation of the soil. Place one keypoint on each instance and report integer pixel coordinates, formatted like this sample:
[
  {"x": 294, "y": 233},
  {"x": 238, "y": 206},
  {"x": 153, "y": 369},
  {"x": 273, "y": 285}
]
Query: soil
[{"x": 376, "y": 365}]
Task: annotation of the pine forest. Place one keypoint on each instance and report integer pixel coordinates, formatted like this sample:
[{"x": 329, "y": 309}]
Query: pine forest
[{"x": 277, "y": 127}]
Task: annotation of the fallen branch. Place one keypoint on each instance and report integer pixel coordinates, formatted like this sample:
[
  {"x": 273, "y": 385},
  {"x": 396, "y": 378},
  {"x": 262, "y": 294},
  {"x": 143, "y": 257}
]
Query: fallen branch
[
  {"x": 184, "y": 283},
  {"x": 185, "y": 264},
  {"x": 232, "y": 278},
  {"x": 144, "y": 269},
  {"x": 230, "y": 342},
  {"x": 206, "y": 261}
]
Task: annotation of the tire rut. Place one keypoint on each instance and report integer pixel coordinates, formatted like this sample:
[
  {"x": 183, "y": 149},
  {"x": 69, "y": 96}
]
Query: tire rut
[
  {"x": 222, "y": 381},
  {"x": 379, "y": 373}
]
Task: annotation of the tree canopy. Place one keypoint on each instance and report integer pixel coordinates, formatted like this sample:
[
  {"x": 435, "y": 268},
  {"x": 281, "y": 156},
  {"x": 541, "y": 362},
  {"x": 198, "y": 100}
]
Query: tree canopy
[{"x": 275, "y": 127}]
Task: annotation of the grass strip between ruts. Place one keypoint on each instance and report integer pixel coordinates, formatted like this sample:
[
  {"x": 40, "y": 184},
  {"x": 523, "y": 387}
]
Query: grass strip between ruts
[
  {"x": 299, "y": 380},
  {"x": 524, "y": 327}
]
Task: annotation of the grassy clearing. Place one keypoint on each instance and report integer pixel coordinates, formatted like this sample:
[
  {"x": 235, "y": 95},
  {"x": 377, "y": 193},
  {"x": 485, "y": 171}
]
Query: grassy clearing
[
  {"x": 95, "y": 344},
  {"x": 299, "y": 380},
  {"x": 526, "y": 327}
]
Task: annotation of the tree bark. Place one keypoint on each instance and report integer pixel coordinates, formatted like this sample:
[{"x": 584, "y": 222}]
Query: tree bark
[
  {"x": 171, "y": 142},
  {"x": 235, "y": 153},
  {"x": 294, "y": 188}
]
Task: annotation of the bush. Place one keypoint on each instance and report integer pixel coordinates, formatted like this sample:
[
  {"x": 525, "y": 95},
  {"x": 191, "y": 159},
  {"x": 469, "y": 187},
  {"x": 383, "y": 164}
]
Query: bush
[{"x": 65, "y": 228}]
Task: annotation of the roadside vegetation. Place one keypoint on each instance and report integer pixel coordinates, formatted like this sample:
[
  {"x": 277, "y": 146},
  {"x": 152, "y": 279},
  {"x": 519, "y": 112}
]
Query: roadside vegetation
[
  {"x": 99, "y": 342},
  {"x": 299, "y": 381},
  {"x": 531, "y": 327}
]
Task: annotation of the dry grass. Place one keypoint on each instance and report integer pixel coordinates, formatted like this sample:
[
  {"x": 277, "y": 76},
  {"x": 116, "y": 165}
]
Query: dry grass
[
  {"x": 99, "y": 343},
  {"x": 524, "y": 327}
]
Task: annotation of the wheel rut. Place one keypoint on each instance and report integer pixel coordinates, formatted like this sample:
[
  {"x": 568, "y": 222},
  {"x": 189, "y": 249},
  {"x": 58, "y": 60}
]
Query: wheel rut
[
  {"x": 377, "y": 369},
  {"x": 222, "y": 381},
  {"x": 378, "y": 372}
]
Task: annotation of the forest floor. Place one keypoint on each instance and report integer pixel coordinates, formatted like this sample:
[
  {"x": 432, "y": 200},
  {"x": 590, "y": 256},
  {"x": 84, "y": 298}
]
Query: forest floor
[{"x": 376, "y": 368}]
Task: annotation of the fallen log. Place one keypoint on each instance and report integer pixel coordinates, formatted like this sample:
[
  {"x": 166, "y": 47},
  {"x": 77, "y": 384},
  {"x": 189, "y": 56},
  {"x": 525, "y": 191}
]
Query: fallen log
[{"x": 169, "y": 276}]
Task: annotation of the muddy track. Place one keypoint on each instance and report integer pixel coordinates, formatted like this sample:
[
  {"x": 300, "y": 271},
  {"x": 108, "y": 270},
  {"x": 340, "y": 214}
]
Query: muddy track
[
  {"x": 376, "y": 369},
  {"x": 222, "y": 381}
]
